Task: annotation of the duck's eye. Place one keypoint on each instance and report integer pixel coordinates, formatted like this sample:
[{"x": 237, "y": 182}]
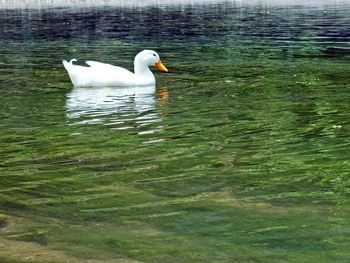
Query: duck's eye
[{"x": 154, "y": 55}]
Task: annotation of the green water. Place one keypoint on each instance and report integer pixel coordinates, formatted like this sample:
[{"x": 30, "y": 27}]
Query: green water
[{"x": 240, "y": 154}]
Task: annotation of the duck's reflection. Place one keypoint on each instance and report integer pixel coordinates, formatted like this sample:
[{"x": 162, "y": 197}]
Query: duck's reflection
[{"x": 117, "y": 107}]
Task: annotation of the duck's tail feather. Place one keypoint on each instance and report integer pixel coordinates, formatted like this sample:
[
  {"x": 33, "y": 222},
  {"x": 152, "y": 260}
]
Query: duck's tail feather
[
  {"x": 72, "y": 71},
  {"x": 67, "y": 64}
]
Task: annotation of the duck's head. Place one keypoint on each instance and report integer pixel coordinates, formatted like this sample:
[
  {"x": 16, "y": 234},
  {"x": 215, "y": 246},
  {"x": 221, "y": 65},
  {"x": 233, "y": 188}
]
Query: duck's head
[{"x": 150, "y": 58}]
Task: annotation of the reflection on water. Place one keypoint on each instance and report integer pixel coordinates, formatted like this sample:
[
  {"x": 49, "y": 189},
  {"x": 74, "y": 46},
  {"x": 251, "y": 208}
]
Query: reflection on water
[
  {"x": 144, "y": 3},
  {"x": 117, "y": 107}
]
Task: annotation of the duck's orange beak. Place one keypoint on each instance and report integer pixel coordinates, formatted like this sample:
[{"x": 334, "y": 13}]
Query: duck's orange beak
[{"x": 159, "y": 65}]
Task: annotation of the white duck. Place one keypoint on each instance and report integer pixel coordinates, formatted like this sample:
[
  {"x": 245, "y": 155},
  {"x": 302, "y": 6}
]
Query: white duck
[{"x": 100, "y": 74}]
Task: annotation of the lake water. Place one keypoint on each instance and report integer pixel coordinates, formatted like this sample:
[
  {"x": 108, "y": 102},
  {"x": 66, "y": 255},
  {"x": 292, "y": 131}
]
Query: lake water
[{"x": 239, "y": 154}]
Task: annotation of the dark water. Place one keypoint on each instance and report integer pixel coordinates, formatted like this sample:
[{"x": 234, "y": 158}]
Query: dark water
[{"x": 240, "y": 154}]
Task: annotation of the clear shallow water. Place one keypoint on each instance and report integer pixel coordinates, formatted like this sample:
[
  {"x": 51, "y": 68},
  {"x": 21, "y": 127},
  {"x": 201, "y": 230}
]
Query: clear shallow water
[{"x": 240, "y": 154}]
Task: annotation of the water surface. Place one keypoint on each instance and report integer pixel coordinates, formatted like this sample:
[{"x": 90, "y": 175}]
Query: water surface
[{"x": 240, "y": 154}]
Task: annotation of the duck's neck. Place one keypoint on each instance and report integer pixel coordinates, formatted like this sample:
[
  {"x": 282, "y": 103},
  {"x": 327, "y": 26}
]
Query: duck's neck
[{"x": 141, "y": 69}]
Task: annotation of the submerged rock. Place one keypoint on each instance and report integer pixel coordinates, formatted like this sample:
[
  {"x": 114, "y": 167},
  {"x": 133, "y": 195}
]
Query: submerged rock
[
  {"x": 37, "y": 236},
  {"x": 3, "y": 220}
]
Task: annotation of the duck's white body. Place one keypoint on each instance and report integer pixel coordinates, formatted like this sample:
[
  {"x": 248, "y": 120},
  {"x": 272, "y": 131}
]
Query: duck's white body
[{"x": 100, "y": 74}]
